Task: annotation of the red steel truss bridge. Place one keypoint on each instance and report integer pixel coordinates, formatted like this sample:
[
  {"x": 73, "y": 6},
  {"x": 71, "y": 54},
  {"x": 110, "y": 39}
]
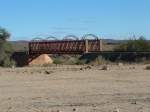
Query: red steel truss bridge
[{"x": 68, "y": 45}]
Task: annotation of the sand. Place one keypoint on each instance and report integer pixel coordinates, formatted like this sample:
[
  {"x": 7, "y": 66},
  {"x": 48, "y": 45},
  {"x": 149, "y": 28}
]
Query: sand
[
  {"x": 43, "y": 59},
  {"x": 123, "y": 88}
]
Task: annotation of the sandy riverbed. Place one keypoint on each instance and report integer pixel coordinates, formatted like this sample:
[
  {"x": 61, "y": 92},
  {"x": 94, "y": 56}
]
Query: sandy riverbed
[{"x": 68, "y": 89}]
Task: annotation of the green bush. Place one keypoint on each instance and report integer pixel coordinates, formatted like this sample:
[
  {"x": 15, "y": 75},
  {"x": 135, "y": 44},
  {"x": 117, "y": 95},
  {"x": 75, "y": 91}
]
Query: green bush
[
  {"x": 133, "y": 44},
  {"x": 5, "y": 49},
  {"x": 57, "y": 61}
]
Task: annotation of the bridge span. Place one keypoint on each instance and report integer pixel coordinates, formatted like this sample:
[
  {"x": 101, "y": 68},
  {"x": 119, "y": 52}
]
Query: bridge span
[
  {"x": 65, "y": 46},
  {"x": 70, "y": 44}
]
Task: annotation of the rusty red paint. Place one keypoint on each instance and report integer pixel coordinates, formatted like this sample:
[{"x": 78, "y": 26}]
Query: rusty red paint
[{"x": 63, "y": 47}]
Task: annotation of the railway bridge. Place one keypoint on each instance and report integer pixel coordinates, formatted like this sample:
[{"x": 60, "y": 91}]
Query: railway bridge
[{"x": 66, "y": 45}]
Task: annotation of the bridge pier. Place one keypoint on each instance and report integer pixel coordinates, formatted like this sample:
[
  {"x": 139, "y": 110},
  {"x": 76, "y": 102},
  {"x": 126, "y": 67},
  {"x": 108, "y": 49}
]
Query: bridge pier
[
  {"x": 86, "y": 46},
  {"x": 100, "y": 45}
]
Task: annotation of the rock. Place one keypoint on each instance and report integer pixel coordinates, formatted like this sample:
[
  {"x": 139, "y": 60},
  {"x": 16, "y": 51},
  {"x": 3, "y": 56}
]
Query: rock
[
  {"x": 9, "y": 108},
  {"x": 9, "y": 98},
  {"x": 88, "y": 67},
  {"x": 147, "y": 67},
  {"x": 85, "y": 68},
  {"x": 48, "y": 72},
  {"x": 116, "y": 110},
  {"x": 131, "y": 67},
  {"x": 81, "y": 68},
  {"x": 120, "y": 64},
  {"x": 133, "y": 102},
  {"x": 74, "y": 109},
  {"x": 105, "y": 67},
  {"x": 56, "y": 111}
]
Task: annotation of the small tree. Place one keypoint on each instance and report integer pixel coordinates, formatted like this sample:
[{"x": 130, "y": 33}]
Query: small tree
[
  {"x": 4, "y": 35},
  {"x": 5, "y": 49},
  {"x": 133, "y": 44}
]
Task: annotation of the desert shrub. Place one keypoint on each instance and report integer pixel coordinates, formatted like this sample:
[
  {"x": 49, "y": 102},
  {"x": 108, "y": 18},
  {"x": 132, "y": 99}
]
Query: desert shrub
[
  {"x": 9, "y": 63},
  {"x": 57, "y": 61},
  {"x": 133, "y": 44},
  {"x": 5, "y": 49},
  {"x": 80, "y": 62},
  {"x": 100, "y": 60},
  {"x": 71, "y": 61},
  {"x": 67, "y": 59}
]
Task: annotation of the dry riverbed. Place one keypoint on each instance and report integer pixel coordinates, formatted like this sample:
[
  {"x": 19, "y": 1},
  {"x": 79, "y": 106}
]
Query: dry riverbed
[{"x": 123, "y": 88}]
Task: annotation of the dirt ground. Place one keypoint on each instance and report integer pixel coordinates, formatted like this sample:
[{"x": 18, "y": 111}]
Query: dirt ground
[{"x": 123, "y": 88}]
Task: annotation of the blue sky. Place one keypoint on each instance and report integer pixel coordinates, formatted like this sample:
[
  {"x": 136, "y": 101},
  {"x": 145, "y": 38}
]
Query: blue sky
[{"x": 117, "y": 19}]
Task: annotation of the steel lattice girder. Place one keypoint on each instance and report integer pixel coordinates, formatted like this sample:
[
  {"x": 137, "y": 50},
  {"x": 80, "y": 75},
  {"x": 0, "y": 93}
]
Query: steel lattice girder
[{"x": 64, "y": 47}]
